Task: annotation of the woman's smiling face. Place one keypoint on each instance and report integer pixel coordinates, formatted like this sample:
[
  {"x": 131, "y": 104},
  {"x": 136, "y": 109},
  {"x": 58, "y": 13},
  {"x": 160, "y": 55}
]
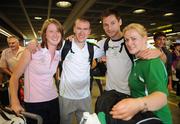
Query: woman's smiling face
[{"x": 134, "y": 41}]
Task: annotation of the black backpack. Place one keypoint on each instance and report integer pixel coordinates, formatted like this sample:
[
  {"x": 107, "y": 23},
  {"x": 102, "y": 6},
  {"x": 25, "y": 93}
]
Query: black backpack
[{"x": 108, "y": 99}]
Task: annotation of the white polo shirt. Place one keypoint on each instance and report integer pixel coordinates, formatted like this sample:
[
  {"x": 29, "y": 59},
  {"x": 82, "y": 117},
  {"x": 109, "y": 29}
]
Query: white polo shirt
[{"x": 75, "y": 76}]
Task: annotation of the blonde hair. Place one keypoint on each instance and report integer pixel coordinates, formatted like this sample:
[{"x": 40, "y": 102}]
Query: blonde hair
[
  {"x": 138, "y": 27},
  {"x": 44, "y": 28}
]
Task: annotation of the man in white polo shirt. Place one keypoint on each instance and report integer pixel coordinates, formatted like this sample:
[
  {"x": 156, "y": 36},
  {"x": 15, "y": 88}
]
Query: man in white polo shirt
[{"x": 74, "y": 86}]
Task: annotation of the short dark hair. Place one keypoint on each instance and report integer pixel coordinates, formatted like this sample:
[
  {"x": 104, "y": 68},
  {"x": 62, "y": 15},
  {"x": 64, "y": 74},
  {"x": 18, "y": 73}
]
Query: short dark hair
[
  {"x": 109, "y": 12},
  {"x": 158, "y": 34}
]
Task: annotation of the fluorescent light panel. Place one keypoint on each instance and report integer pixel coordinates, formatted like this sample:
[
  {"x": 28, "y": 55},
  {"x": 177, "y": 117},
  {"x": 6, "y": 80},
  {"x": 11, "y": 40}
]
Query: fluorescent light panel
[{"x": 4, "y": 32}]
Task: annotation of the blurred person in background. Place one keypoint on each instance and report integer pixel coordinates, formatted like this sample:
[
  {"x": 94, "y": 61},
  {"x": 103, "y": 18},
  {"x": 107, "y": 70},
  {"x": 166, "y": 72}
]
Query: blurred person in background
[
  {"x": 1, "y": 80},
  {"x": 10, "y": 56},
  {"x": 176, "y": 67},
  {"x": 1, "y": 75},
  {"x": 160, "y": 43}
]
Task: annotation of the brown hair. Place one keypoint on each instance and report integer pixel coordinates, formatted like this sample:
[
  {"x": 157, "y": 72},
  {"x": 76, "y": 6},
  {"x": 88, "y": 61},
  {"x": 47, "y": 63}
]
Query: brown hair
[
  {"x": 109, "y": 12},
  {"x": 44, "y": 28}
]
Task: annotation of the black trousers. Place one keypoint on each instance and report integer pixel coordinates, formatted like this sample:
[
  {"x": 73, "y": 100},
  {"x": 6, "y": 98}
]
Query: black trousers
[{"x": 49, "y": 111}]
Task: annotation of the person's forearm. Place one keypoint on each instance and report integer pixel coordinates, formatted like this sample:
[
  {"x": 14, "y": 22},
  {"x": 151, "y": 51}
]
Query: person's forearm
[
  {"x": 153, "y": 102},
  {"x": 14, "y": 89}
]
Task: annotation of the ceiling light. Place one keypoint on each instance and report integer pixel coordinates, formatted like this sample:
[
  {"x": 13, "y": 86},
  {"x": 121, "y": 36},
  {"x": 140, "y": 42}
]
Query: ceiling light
[
  {"x": 153, "y": 23},
  {"x": 63, "y": 4},
  {"x": 38, "y": 18},
  {"x": 168, "y": 14},
  {"x": 138, "y": 11},
  {"x": 100, "y": 21},
  {"x": 164, "y": 26},
  {"x": 167, "y": 30}
]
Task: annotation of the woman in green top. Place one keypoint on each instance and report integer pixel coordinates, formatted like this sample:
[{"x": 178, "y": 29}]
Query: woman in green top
[{"x": 147, "y": 81}]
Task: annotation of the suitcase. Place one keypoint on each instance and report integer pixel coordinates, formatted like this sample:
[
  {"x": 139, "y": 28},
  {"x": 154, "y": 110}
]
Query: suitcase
[{"x": 7, "y": 116}]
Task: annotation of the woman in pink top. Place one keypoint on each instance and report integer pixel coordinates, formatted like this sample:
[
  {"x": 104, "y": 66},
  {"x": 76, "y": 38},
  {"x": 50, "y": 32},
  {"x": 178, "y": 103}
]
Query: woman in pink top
[{"x": 40, "y": 93}]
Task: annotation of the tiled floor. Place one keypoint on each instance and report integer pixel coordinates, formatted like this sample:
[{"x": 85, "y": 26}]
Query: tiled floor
[{"x": 172, "y": 100}]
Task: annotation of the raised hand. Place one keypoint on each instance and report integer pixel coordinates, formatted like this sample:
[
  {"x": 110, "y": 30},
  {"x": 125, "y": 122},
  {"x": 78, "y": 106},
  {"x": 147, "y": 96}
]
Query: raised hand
[{"x": 33, "y": 46}]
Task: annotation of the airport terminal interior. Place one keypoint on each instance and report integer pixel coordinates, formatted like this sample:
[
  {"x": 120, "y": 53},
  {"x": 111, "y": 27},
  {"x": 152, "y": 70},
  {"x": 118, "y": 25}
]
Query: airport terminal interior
[{"x": 24, "y": 19}]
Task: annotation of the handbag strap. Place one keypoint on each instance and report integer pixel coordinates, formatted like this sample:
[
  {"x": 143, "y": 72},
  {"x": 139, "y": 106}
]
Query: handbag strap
[{"x": 3, "y": 115}]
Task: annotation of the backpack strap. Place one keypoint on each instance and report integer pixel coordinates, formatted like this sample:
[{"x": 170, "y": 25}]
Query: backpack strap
[
  {"x": 91, "y": 52},
  {"x": 3, "y": 110},
  {"x": 106, "y": 44},
  {"x": 130, "y": 55},
  {"x": 4, "y": 116},
  {"x": 67, "y": 46}
]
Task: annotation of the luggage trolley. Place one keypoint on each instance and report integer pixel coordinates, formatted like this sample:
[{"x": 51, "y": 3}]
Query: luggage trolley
[{"x": 8, "y": 116}]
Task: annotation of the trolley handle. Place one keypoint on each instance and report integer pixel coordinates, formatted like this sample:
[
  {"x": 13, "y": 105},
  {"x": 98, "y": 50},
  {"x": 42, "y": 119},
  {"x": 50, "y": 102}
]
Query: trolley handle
[
  {"x": 30, "y": 115},
  {"x": 33, "y": 116}
]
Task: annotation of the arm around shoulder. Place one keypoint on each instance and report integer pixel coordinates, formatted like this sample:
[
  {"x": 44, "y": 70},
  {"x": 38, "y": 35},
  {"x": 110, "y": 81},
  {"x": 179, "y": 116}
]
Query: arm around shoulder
[{"x": 33, "y": 46}]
